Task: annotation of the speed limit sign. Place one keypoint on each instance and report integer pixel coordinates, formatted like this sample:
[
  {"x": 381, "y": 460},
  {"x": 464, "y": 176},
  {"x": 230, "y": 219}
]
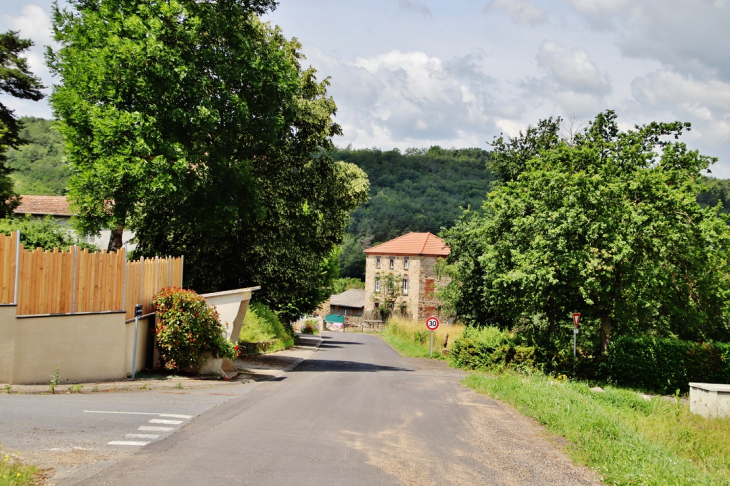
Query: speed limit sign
[{"x": 432, "y": 323}]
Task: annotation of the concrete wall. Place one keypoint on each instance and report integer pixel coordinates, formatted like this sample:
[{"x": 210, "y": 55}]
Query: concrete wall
[
  {"x": 85, "y": 347},
  {"x": 90, "y": 347},
  {"x": 7, "y": 343},
  {"x": 709, "y": 400},
  {"x": 231, "y": 306}
]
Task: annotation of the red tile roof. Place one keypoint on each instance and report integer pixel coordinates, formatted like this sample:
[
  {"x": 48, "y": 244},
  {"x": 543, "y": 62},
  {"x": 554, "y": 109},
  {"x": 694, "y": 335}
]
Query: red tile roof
[
  {"x": 53, "y": 205},
  {"x": 412, "y": 244}
]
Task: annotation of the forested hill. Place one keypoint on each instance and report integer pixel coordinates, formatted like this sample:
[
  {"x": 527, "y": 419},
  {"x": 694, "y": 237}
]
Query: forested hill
[
  {"x": 418, "y": 190},
  {"x": 39, "y": 166}
]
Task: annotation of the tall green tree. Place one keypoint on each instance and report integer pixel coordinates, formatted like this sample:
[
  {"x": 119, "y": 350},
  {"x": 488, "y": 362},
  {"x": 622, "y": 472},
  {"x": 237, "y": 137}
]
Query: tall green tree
[
  {"x": 15, "y": 80},
  {"x": 607, "y": 225},
  {"x": 194, "y": 124}
]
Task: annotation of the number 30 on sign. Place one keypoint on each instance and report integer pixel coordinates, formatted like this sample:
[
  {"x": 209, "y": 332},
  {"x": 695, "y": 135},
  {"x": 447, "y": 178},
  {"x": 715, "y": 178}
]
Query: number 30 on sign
[{"x": 432, "y": 323}]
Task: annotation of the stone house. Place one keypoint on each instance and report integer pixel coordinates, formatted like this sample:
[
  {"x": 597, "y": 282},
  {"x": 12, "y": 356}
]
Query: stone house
[{"x": 409, "y": 262}]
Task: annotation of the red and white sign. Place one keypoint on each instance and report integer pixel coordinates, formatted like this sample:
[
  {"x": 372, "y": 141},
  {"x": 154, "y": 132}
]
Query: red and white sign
[
  {"x": 432, "y": 323},
  {"x": 576, "y": 319}
]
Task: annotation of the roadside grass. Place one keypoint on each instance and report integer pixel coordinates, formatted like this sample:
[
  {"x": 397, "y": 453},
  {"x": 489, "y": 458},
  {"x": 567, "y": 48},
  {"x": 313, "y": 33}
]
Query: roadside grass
[
  {"x": 13, "y": 473},
  {"x": 261, "y": 324},
  {"x": 628, "y": 440},
  {"x": 411, "y": 338}
]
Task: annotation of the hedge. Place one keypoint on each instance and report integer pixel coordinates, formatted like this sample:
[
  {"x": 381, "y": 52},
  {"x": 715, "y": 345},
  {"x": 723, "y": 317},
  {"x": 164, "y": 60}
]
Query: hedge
[
  {"x": 666, "y": 365},
  {"x": 479, "y": 349}
]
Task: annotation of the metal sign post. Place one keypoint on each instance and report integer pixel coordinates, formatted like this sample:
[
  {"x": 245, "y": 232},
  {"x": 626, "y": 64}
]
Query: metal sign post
[
  {"x": 432, "y": 323},
  {"x": 576, "y": 320},
  {"x": 137, "y": 315}
]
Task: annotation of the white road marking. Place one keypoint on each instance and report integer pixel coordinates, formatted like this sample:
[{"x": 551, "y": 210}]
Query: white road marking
[
  {"x": 137, "y": 443},
  {"x": 166, "y": 422},
  {"x": 121, "y": 413}
]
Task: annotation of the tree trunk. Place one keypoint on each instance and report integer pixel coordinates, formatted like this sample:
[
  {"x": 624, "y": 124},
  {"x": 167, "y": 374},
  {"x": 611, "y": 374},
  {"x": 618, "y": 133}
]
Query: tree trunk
[
  {"x": 605, "y": 332},
  {"x": 551, "y": 326},
  {"x": 115, "y": 239}
]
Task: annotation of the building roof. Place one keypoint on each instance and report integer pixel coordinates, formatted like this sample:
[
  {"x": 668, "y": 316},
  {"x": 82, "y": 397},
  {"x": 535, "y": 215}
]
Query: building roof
[
  {"x": 412, "y": 244},
  {"x": 53, "y": 205},
  {"x": 349, "y": 298}
]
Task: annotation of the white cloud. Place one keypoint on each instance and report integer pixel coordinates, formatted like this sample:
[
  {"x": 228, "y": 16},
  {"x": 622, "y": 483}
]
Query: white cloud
[
  {"x": 600, "y": 13},
  {"x": 670, "y": 88},
  {"x": 406, "y": 99},
  {"x": 572, "y": 70},
  {"x": 688, "y": 36},
  {"x": 510, "y": 127},
  {"x": 34, "y": 23},
  {"x": 522, "y": 12},
  {"x": 414, "y": 7}
]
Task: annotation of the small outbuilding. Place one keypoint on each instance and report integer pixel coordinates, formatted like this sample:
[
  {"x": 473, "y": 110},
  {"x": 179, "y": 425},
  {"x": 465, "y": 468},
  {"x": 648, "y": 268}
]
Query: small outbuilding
[{"x": 349, "y": 303}]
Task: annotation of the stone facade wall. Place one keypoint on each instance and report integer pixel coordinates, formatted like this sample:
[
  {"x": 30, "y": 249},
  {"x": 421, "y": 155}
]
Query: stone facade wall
[{"x": 419, "y": 303}]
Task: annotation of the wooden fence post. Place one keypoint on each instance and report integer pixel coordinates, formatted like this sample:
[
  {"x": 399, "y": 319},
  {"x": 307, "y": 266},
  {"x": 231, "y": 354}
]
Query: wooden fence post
[
  {"x": 124, "y": 284},
  {"x": 73, "y": 289},
  {"x": 17, "y": 266},
  {"x": 141, "y": 280}
]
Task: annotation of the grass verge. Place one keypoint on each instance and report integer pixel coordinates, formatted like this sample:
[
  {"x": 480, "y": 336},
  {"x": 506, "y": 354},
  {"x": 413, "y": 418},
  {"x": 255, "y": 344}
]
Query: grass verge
[
  {"x": 411, "y": 338},
  {"x": 13, "y": 473},
  {"x": 625, "y": 438},
  {"x": 262, "y": 324}
]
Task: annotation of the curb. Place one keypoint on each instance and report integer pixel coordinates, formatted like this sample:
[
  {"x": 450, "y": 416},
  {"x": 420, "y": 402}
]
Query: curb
[{"x": 278, "y": 373}]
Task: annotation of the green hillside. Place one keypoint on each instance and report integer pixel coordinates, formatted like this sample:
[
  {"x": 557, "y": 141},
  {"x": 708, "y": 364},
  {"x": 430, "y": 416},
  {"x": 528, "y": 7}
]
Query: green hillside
[{"x": 39, "y": 166}]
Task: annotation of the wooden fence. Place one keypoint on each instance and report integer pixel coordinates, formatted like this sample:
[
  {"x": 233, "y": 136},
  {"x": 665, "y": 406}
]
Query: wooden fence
[{"x": 77, "y": 281}]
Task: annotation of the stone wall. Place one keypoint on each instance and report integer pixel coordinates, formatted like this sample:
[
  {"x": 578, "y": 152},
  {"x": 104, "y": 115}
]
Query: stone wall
[{"x": 428, "y": 287}]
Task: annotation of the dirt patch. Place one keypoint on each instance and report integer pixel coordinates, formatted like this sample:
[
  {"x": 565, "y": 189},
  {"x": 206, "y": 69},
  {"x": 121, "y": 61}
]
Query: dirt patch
[{"x": 449, "y": 434}]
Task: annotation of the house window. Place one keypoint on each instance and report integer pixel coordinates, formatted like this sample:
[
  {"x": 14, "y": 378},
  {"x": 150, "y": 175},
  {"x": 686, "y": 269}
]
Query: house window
[
  {"x": 377, "y": 262},
  {"x": 405, "y": 263},
  {"x": 405, "y": 286},
  {"x": 377, "y": 284},
  {"x": 391, "y": 263}
]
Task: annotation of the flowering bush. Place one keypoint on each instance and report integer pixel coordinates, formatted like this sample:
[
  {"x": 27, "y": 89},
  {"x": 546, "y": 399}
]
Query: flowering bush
[
  {"x": 309, "y": 327},
  {"x": 186, "y": 328}
]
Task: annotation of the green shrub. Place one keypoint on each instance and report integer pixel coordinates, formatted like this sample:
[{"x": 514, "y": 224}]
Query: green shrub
[
  {"x": 482, "y": 348},
  {"x": 339, "y": 285},
  {"x": 43, "y": 233},
  {"x": 309, "y": 327},
  {"x": 666, "y": 365},
  {"x": 262, "y": 324},
  {"x": 186, "y": 328}
]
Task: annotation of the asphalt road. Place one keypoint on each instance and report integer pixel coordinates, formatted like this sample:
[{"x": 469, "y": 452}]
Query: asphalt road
[{"x": 355, "y": 413}]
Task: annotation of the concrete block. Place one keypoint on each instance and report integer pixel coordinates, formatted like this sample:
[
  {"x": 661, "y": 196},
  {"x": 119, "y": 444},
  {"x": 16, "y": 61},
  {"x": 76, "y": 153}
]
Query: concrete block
[{"x": 709, "y": 399}]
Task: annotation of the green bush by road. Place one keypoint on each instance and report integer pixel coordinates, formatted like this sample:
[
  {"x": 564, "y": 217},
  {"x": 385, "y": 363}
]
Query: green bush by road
[
  {"x": 262, "y": 324},
  {"x": 666, "y": 365}
]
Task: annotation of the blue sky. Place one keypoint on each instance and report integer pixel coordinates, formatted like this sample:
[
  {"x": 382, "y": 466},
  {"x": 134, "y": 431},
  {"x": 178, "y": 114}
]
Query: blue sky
[{"x": 410, "y": 73}]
